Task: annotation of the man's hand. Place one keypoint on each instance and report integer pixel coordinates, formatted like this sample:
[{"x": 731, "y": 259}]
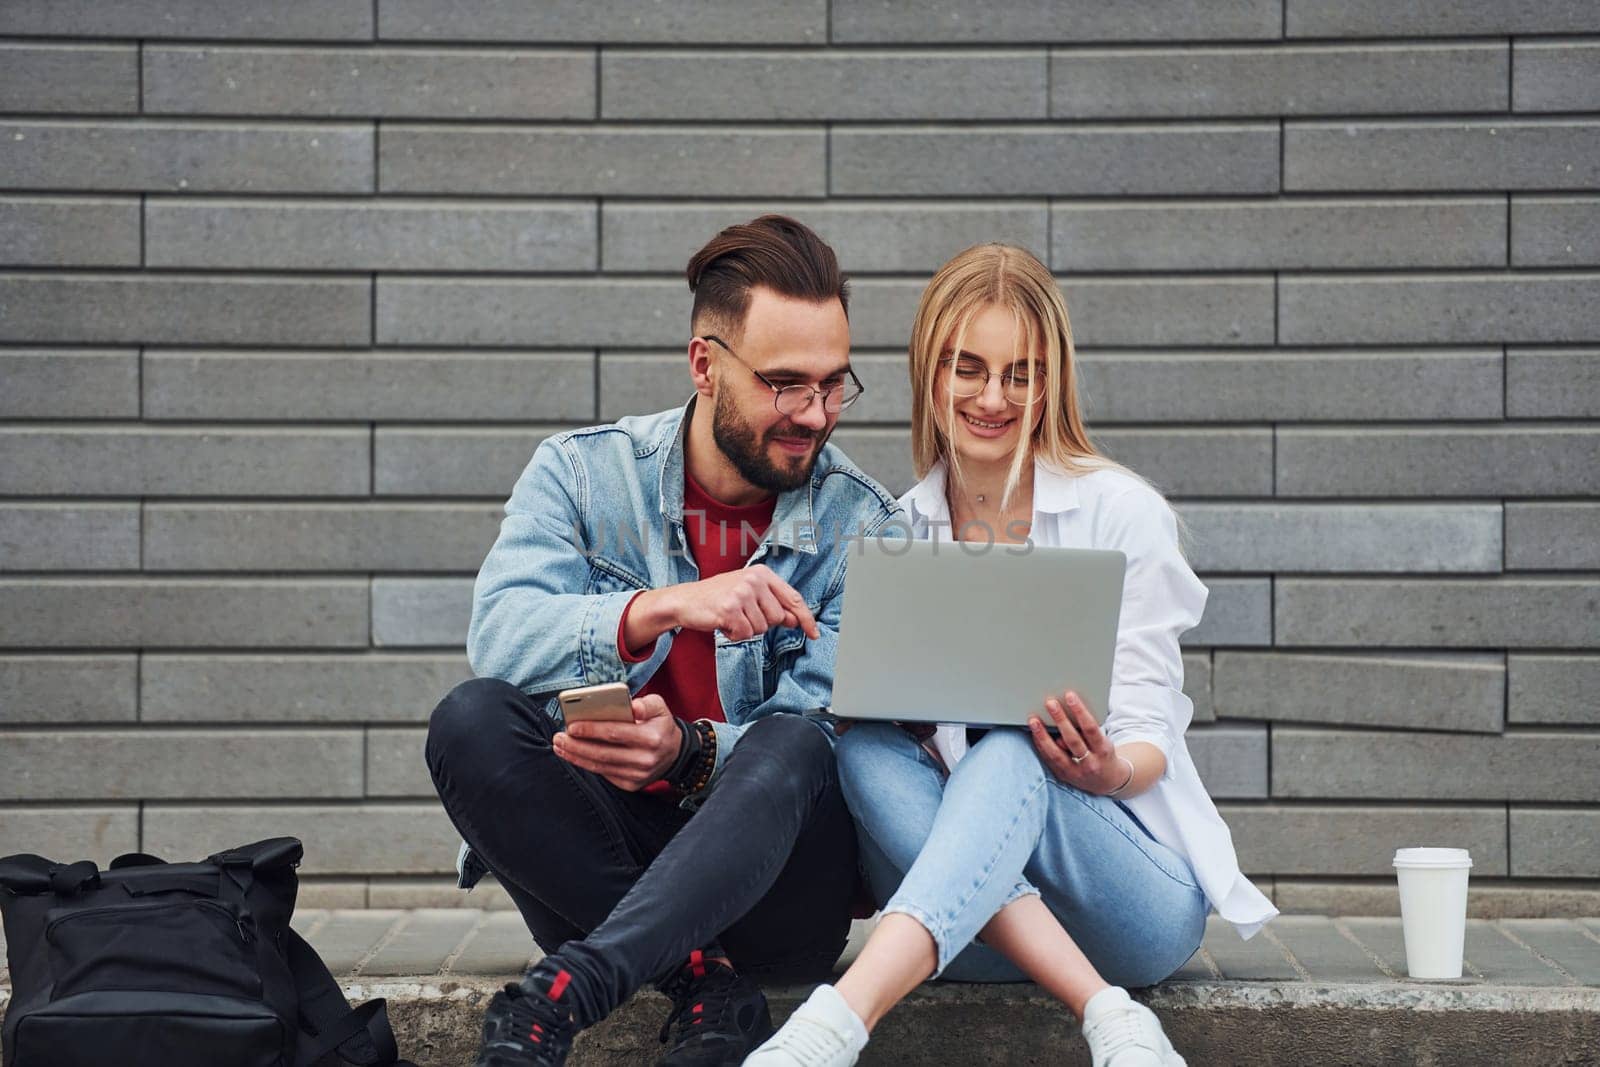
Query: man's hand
[
  {"x": 742, "y": 604},
  {"x": 628, "y": 755}
]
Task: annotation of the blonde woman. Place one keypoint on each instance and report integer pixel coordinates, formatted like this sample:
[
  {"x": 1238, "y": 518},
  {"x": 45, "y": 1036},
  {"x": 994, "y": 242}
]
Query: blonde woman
[{"x": 1085, "y": 860}]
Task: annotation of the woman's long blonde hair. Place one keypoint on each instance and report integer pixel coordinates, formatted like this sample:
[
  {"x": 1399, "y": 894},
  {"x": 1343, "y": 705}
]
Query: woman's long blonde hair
[{"x": 1013, "y": 278}]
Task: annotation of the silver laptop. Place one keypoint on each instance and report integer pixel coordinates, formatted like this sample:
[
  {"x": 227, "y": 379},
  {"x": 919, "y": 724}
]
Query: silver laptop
[{"x": 956, "y": 632}]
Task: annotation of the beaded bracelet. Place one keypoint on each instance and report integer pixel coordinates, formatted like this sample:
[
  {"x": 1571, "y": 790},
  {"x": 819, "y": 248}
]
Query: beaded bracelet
[{"x": 699, "y": 774}]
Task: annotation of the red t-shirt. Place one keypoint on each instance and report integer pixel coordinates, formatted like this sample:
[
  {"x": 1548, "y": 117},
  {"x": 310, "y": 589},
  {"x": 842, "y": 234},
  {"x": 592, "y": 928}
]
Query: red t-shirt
[{"x": 721, "y": 539}]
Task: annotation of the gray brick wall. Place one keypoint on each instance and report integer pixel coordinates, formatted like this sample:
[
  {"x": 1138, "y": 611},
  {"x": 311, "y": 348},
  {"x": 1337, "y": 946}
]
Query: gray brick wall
[{"x": 289, "y": 293}]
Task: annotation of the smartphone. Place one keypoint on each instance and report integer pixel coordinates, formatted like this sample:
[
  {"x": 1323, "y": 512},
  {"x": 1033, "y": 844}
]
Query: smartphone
[{"x": 597, "y": 703}]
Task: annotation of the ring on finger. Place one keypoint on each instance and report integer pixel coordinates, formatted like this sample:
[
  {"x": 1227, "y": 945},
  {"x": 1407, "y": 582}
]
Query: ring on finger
[{"x": 1077, "y": 759}]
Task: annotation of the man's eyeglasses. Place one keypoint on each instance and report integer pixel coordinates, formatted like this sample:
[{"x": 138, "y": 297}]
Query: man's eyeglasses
[
  {"x": 969, "y": 377},
  {"x": 793, "y": 399}
]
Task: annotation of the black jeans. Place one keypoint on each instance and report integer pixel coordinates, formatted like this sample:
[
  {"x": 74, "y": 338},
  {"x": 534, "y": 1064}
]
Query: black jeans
[{"x": 622, "y": 886}]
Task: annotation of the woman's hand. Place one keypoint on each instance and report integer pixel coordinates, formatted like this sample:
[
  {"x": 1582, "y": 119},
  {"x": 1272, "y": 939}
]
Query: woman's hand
[{"x": 1081, "y": 755}]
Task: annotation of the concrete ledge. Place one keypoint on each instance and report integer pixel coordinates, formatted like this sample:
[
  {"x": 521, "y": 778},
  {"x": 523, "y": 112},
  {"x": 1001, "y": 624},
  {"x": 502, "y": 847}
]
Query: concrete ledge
[
  {"x": 1238, "y": 1023},
  {"x": 1308, "y": 990}
]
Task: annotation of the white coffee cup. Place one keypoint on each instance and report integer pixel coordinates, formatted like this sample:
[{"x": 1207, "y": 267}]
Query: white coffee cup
[{"x": 1433, "y": 909}]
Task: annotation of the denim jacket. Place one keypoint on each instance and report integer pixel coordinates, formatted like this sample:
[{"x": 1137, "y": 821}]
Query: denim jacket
[{"x": 597, "y": 516}]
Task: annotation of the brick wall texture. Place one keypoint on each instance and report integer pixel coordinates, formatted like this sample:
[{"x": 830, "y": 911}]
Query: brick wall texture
[{"x": 289, "y": 292}]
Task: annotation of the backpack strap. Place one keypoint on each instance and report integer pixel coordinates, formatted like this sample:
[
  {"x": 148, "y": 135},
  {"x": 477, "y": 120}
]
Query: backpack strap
[{"x": 327, "y": 1023}]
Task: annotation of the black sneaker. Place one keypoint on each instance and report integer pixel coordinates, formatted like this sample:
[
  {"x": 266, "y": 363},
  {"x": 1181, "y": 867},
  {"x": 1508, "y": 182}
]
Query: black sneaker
[
  {"x": 718, "y": 1016},
  {"x": 526, "y": 1024}
]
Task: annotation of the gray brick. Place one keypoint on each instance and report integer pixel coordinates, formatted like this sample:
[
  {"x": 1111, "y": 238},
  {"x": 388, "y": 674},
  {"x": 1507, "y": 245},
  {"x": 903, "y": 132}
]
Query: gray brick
[
  {"x": 1231, "y": 759},
  {"x": 1558, "y": 690},
  {"x": 69, "y": 77},
  {"x": 1380, "y": 18},
  {"x": 432, "y": 892},
  {"x": 1499, "y": 959},
  {"x": 1290, "y": 385},
  {"x": 1355, "y": 840},
  {"x": 1323, "y": 951},
  {"x": 47, "y": 383},
  {"x": 51, "y": 459},
  {"x": 635, "y": 382},
  {"x": 417, "y": 386},
  {"x": 318, "y": 537},
  {"x": 810, "y": 85},
  {"x": 1058, "y": 160},
  {"x": 1415, "y": 690},
  {"x": 349, "y": 937},
  {"x": 1556, "y": 75},
  {"x": 1260, "y": 959},
  {"x": 1236, "y": 461},
  {"x": 1214, "y": 310},
  {"x": 340, "y": 839},
  {"x": 1546, "y": 537},
  {"x": 328, "y": 20},
  {"x": 323, "y": 688},
  {"x": 1333, "y": 538},
  {"x": 1511, "y": 461},
  {"x": 69, "y": 231},
  {"x": 378, "y": 82},
  {"x": 81, "y": 688},
  {"x": 1278, "y": 80},
  {"x": 1197, "y": 685},
  {"x": 100, "y": 833},
  {"x": 1561, "y": 941},
  {"x": 184, "y": 309},
  {"x": 602, "y": 161},
  {"x": 421, "y": 612},
  {"x": 323, "y": 893},
  {"x": 421, "y": 943},
  {"x": 500, "y": 945},
  {"x": 1486, "y": 901},
  {"x": 1543, "y": 765},
  {"x": 1555, "y": 232},
  {"x": 563, "y": 311},
  {"x": 1445, "y": 309},
  {"x": 1442, "y": 612},
  {"x": 867, "y": 236},
  {"x": 608, "y": 21},
  {"x": 1259, "y": 234},
  {"x": 417, "y": 461},
  {"x": 395, "y": 235},
  {"x": 395, "y": 767},
  {"x": 632, "y": 383},
  {"x": 1555, "y": 842},
  {"x": 140, "y": 764},
  {"x": 884, "y": 454},
  {"x": 67, "y": 537},
  {"x": 141, "y": 154},
  {"x": 1033, "y": 21},
  {"x": 195, "y": 612},
  {"x": 1238, "y": 612},
  {"x": 1444, "y": 155},
  {"x": 1560, "y": 383}
]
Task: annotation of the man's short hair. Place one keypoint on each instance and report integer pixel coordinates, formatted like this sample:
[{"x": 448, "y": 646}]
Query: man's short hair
[{"x": 774, "y": 251}]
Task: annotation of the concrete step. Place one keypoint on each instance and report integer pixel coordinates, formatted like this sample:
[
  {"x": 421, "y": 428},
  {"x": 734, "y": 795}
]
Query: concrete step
[{"x": 1309, "y": 990}]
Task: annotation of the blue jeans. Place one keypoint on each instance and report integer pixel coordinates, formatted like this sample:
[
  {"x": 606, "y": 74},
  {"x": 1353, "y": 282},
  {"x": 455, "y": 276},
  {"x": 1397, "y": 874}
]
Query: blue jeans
[{"x": 952, "y": 852}]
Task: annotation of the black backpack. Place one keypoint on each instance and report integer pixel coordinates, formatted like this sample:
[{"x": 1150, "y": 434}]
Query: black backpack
[{"x": 154, "y": 964}]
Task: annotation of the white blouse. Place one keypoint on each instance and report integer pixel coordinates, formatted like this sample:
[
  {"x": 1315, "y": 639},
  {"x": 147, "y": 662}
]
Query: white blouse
[{"x": 1161, "y": 598}]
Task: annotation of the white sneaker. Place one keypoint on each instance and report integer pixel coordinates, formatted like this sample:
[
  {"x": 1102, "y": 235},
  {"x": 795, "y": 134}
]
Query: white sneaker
[
  {"x": 822, "y": 1032},
  {"x": 1124, "y": 1033}
]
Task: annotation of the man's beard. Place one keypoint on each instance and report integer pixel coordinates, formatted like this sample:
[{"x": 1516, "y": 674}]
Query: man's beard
[{"x": 749, "y": 455}]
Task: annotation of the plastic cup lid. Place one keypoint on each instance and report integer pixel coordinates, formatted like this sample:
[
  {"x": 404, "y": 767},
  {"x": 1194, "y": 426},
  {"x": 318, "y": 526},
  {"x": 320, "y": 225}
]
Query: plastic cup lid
[{"x": 1432, "y": 857}]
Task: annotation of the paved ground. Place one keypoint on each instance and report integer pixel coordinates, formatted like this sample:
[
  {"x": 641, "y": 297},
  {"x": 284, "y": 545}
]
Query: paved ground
[{"x": 1309, "y": 989}]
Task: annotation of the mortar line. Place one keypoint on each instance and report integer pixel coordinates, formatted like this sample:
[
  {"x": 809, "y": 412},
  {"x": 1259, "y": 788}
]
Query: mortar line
[
  {"x": 1299, "y": 968},
  {"x": 383, "y": 942},
  {"x": 467, "y": 939},
  {"x": 1371, "y": 954},
  {"x": 1536, "y": 954}
]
